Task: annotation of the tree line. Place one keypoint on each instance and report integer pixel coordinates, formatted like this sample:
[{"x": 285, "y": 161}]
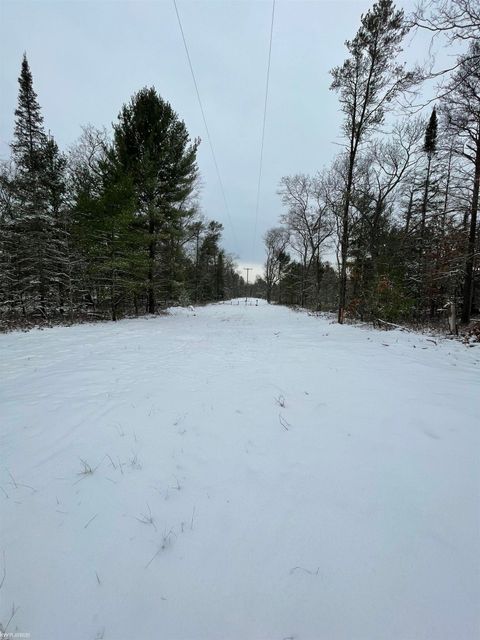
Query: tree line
[
  {"x": 111, "y": 228},
  {"x": 397, "y": 209}
]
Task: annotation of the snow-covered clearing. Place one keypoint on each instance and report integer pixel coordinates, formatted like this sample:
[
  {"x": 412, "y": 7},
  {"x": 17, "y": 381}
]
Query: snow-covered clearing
[{"x": 239, "y": 472}]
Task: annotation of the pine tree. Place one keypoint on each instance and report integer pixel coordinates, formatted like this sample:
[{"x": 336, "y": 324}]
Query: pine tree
[
  {"x": 152, "y": 146},
  {"x": 367, "y": 83},
  {"x": 429, "y": 148},
  {"x": 106, "y": 233},
  {"x": 34, "y": 225},
  {"x": 60, "y": 250},
  {"x": 208, "y": 257},
  {"x": 29, "y": 135},
  {"x": 430, "y": 143}
]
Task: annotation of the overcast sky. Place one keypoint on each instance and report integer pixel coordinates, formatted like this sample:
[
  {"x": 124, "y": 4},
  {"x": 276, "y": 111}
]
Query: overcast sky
[{"x": 88, "y": 58}]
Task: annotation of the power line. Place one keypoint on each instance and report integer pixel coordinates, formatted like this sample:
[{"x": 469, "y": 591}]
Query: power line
[
  {"x": 227, "y": 208},
  {"x": 263, "y": 128}
]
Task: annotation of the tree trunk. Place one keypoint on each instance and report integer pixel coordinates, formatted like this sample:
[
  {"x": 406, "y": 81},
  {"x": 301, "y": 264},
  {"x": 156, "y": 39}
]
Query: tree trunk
[
  {"x": 452, "y": 318},
  {"x": 196, "y": 266},
  {"x": 302, "y": 284},
  {"x": 425, "y": 203},
  {"x": 318, "y": 281},
  {"x": 409, "y": 215},
  {"x": 151, "y": 267},
  {"x": 279, "y": 285},
  {"x": 342, "y": 294},
  {"x": 113, "y": 306},
  {"x": 470, "y": 262},
  {"x": 269, "y": 292}
]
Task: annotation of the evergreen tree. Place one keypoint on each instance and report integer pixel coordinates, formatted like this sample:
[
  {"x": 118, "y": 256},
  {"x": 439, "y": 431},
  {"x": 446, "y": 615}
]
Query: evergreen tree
[
  {"x": 429, "y": 148},
  {"x": 152, "y": 146},
  {"x": 430, "y": 144},
  {"x": 208, "y": 257},
  {"x": 29, "y": 135},
  {"x": 30, "y": 225},
  {"x": 34, "y": 225},
  {"x": 60, "y": 249},
  {"x": 107, "y": 235}
]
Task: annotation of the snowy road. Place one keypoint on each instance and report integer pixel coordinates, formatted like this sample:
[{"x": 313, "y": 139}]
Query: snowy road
[{"x": 248, "y": 473}]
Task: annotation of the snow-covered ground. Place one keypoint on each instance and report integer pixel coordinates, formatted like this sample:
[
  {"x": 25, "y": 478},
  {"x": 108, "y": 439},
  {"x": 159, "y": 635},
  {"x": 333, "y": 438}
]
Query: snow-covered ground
[{"x": 239, "y": 472}]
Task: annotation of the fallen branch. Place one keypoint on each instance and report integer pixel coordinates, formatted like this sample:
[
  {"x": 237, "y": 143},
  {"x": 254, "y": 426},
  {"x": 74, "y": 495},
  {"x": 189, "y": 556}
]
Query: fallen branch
[{"x": 391, "y": 324}]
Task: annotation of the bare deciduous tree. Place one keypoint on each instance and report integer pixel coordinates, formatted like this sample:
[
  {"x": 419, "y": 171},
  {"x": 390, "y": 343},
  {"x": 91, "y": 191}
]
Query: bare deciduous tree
[
  {"x": 367, "y": 83},
  {"x": 276, "y": 241},
  {"x": 309, "y": 222},
  {"x": 458, "y": 20}
]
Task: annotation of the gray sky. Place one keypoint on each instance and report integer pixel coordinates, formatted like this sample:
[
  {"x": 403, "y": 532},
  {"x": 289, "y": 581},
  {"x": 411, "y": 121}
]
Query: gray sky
[{"x": 88, "y": 58}]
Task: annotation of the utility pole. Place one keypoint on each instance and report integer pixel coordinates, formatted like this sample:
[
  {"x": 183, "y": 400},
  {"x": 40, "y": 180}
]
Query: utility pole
[{"x": 247, "y": 269}]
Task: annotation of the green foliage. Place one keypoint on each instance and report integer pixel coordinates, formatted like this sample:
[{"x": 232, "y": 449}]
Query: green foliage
[
  {"x": 152, "y": 146},
  {"x": 113, "y": 229},
  {"x": 35, "y": 237},
  {"x": 370, "y": 79},
  {"x": 430, "y": 144},
  {"x": 107, "y": 235}
]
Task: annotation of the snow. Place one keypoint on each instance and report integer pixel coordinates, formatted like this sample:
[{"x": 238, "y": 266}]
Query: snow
[{"x": 212, "y": 511}]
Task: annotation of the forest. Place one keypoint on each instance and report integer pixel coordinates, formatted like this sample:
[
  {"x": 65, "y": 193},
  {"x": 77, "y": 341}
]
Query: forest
[
  {"x": 111, "y": 228},
  {"x": 388, "y": 232},
  {"x": 398, "y": 206}
]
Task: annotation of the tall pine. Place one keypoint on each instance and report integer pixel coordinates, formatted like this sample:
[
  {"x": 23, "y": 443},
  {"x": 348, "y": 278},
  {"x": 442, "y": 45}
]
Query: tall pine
[
  {"x": 34, "y": 229},
  {"x": 152, "y": 146},
  {"x": 367, "y": 83}
]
